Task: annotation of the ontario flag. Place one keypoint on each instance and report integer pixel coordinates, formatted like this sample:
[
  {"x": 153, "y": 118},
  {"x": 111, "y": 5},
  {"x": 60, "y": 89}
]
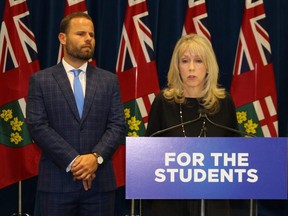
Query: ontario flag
[
  {"x": 18, "y": 60},
  {"x": 253, "y": 84},
  {"x": 196, "y": 19},
  {"x": 136, "y": 70},
  {"x": 72, "y": 6}
]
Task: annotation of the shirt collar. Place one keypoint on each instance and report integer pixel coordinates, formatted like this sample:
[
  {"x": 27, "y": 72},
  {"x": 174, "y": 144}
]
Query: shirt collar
[{"x": 68, "y": 67}]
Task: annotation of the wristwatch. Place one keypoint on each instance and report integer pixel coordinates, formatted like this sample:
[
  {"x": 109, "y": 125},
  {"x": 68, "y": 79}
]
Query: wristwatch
[{"x": 99, "y": 159}]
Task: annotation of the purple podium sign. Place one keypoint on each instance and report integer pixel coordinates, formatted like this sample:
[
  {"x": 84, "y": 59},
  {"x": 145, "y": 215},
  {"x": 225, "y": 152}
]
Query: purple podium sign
[{"x": 206, "y": 168}]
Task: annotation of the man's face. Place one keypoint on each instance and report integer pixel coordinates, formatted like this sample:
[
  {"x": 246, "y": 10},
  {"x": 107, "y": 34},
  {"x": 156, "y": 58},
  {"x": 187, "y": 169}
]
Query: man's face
[{"x": 80, "y": 40}]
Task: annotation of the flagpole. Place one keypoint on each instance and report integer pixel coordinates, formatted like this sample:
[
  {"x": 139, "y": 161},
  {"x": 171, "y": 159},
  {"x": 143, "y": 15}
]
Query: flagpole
[
  {"x": 19, "y": 213},
  {"x": 202, "y": 207},
  {"x": 253, "y": 208},
  {"x": 20, "y": 197},
  {"x": 132, "y": 207}
]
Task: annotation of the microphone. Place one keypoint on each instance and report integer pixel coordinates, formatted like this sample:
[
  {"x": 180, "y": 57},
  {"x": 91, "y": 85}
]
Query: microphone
[
  {"x": 176, "y": 126},
  {"x": 204, "y": 115}
]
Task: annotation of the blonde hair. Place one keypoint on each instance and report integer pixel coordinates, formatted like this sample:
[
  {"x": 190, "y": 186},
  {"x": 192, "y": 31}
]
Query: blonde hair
[{"x": 211, "y": 91}]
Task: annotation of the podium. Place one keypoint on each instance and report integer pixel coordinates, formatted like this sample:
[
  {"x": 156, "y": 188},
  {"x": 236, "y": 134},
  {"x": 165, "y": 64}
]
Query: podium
[{"x": 206, "y": 168}]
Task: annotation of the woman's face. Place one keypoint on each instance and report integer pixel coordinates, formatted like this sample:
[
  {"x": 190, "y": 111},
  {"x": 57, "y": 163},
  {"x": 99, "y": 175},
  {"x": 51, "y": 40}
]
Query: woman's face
[{"x": 192, "y": 71}]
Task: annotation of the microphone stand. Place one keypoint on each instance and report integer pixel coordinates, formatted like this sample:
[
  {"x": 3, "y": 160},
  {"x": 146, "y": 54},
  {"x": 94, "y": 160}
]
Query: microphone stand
[
  {"x": 176, "y": 126},
  {"x": 204, "y": 115}
]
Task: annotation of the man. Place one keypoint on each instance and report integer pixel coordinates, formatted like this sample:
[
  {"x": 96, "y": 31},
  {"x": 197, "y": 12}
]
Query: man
[{"x": 77, "y": 139}]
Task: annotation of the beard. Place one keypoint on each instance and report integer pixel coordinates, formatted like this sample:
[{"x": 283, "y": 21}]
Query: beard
[{"x": 78, "y": 53}]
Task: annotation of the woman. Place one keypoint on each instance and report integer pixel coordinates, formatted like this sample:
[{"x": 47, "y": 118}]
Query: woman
[{"x": 192, "y": 91}]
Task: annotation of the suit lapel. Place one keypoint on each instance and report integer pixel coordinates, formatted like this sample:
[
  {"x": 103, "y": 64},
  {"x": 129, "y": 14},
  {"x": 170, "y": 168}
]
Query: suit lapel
[
  {"x": 91, "y": 85},
  {"x": 65, "y": 86}
]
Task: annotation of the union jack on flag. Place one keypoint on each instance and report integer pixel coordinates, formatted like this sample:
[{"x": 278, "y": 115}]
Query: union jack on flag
[
  {"x": 253, "y": 82},
  {"x": 196, "y": 19},
  {"x": 18, "y": 60},
  {"x": 136, "y": 67}
]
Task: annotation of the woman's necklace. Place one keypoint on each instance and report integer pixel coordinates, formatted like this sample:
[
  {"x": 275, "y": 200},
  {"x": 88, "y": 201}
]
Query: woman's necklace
[
  {"x": 203, "y": 129},
  {"x": 181, "y": 118}
]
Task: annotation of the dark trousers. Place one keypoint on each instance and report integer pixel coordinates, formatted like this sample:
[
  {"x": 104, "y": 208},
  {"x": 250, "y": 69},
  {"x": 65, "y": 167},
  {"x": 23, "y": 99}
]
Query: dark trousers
[{"x": 82, "y": 203}]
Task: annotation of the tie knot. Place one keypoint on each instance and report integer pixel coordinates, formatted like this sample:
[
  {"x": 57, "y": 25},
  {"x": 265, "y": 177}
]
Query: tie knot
[{"x": 76, "y": 72}]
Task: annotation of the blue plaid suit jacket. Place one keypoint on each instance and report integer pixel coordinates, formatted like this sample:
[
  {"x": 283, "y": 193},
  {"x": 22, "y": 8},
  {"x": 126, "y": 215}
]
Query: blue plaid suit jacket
[{"x": 55, "y": 125}]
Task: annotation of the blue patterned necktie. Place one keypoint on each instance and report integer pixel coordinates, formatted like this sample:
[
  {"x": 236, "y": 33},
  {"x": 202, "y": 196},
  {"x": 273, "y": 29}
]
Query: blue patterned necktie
[{"x": 78, "y": 91}]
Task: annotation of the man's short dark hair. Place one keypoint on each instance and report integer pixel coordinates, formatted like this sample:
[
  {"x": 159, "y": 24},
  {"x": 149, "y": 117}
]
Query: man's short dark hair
[{"x": 64, "y": 25}]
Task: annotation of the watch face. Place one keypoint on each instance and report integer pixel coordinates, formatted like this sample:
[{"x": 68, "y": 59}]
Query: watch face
[{"x": 100, "y": 160}]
